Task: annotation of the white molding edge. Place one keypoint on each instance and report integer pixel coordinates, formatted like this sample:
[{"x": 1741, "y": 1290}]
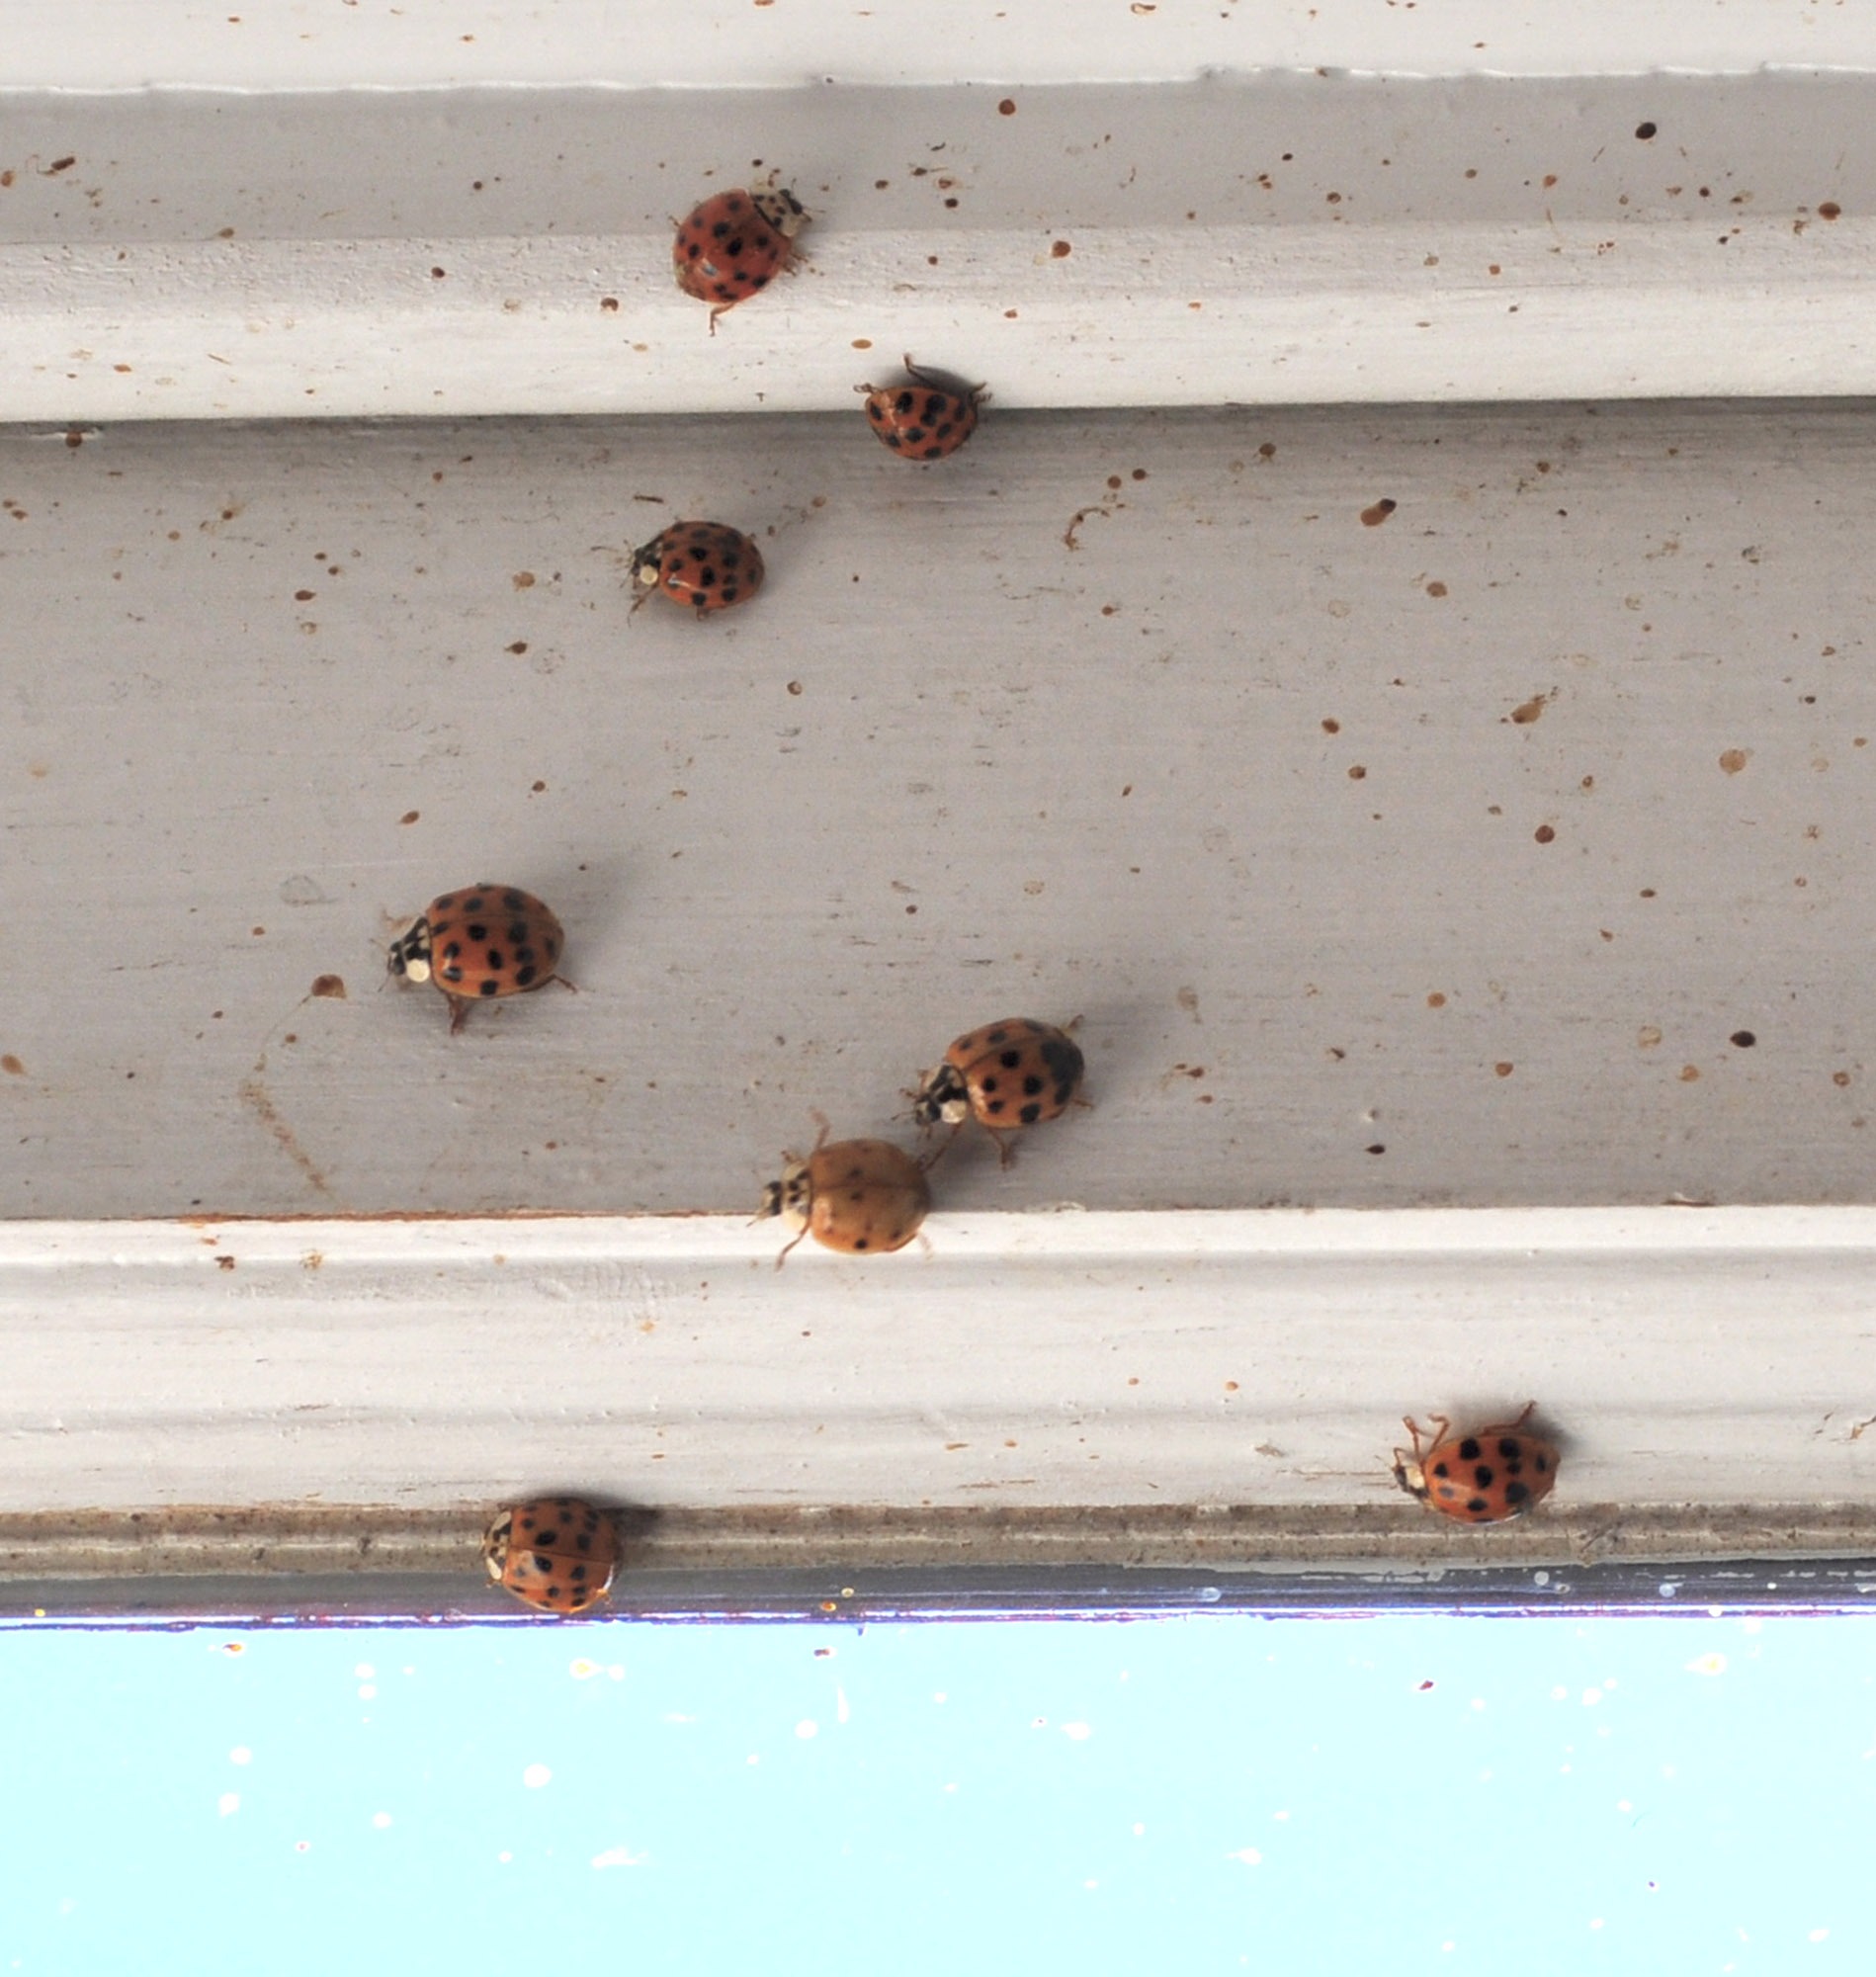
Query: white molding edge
[
  {"x": 1713, "y": 1369},
  {"x": 503, "y": 247},
  {"x": 127, "y": 44},
  {"x": 296, "y": 329}
]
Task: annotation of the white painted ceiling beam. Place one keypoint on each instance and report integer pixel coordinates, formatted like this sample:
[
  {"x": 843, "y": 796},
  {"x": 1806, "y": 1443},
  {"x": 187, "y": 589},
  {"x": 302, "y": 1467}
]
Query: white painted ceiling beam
[
  {"x": 1244, "y": 315},
  {"x": 1689, "y": 1357},
  {"x": 698, "y": 44},
  {"x": 1260, "y": 239}
]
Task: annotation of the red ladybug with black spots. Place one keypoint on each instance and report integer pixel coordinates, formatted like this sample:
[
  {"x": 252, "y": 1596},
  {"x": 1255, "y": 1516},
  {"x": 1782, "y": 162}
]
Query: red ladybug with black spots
[
  {"x": 1006, "y": 1076},
  {"x": 734, "y": 244},
  {"x": 479, "y": 942},
  {"x": 1486, "y": 1477},
  {"x": 556, "y": 1553},
  {"x": 925, "y": 419},
  {"x": 708, "y": 566}
]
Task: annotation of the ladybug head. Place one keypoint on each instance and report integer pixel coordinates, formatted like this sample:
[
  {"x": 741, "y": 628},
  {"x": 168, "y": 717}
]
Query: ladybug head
[
  {"x": 788, "y": 1197},
  {"x": 411, "y": 952},
  {"x": 1409, "y": 1476},
  {"x": 648, "y": 564},
  {"x": 781, "y": 209},
  {"x": 941, "y": 1094},
  {"x": 495, "y": 1544}
]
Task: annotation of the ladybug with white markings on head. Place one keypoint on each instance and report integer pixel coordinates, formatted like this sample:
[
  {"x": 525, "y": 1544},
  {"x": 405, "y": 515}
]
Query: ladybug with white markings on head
[
  {"x": 1486, "y": 1477},
  {"x": 734, "y": 243},
  {"x": 479, "y": 942},
  {"x": 863, "y": 1197},
  {"x": 556, "y": 1553},
  {"x": 708, "y": 566},
  {"x": 1006, "y": 1076}
]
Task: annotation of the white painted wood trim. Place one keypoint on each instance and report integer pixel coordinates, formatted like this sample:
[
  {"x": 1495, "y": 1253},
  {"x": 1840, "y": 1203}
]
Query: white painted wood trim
[
  {"x": 101, "y": 45},
  {"x": 1254, "y": 236},
  {"x": 469, "y": 327},
  {"x": 1712, "y": 1368}
]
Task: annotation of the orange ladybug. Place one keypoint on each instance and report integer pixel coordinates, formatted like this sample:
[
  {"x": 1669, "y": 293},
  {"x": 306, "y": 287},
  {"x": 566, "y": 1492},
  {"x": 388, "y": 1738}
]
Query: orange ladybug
[
  {"x": 1481, "y": 1478},
  {"x": 1006, "y": 1076},
  {"x": 708, "y": 566},
  {"x": 479, "y": 942},
  {"x": 922, "y": 420},
  {"x": 734, "y": 244},
  {"x": 863, "y": 1196},
  {"x": 556, "y": 1553}
]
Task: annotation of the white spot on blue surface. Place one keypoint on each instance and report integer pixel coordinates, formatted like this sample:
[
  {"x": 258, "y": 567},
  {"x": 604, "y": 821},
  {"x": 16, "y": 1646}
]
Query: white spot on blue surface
[{"x": 620, "y": 1857}]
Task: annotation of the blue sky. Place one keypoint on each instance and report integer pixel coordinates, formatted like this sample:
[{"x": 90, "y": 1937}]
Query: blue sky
[{"x": 1195, "y": 1793}]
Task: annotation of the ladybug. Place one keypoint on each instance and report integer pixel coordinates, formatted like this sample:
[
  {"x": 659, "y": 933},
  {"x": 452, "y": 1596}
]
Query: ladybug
[
  {"x": 1481, "y": 1478},
  {"x": 1006, "y": 1076},
  {"x": 734, "y": 244},
  {"x": 863, "y": 1196},
  {"x": 556, "y": 1553},
  {"x": 706, "y": 564},
  {"x": 479, "y": 942},
  {"x": 922, "y": 420}
]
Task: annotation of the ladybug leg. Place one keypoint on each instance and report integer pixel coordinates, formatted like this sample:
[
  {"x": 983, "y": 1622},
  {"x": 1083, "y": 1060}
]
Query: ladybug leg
[
  {"x": 459, "y": 1006},
  {"x": 1511, "y": 1427},
  {"x": 1005, "y": 1145},
  {"x": 827, "y": 1125},
  {"x": 723, "y": 309},
  {"x": 1436, "y": 1431},
  {"x": 787, "y": 1248},
  {"x": 571, "y": 987},
  {"x": 944, "y": 1147}
]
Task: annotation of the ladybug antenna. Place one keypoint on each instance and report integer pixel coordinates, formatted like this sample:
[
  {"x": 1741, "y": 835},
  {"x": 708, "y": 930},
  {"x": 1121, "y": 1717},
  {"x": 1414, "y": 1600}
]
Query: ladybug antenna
[{"x": 926, "y": 1162}]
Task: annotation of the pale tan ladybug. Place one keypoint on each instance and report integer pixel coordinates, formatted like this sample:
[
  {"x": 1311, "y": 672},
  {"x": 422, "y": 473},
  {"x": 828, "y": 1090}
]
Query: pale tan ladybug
[
  {"x": 1483, "y": 1478},
  {"x": 862, "y": 1196},
  {"x": 1006, "y": 1076},
  {"x": 556, "y": 1553},
  {"x": 479, "y": 942}
]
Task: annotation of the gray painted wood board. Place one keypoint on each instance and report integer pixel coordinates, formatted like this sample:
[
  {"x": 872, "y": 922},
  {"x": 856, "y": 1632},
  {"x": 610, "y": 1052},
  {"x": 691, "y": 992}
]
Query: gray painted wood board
[{"x": 1435, "y": 858}]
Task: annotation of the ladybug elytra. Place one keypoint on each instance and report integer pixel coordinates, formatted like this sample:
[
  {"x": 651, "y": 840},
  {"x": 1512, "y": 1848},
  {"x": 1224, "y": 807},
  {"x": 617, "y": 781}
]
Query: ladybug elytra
[
  {"x": 1483, "y": 1478},
  {"x": 479, "y": 942}
]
